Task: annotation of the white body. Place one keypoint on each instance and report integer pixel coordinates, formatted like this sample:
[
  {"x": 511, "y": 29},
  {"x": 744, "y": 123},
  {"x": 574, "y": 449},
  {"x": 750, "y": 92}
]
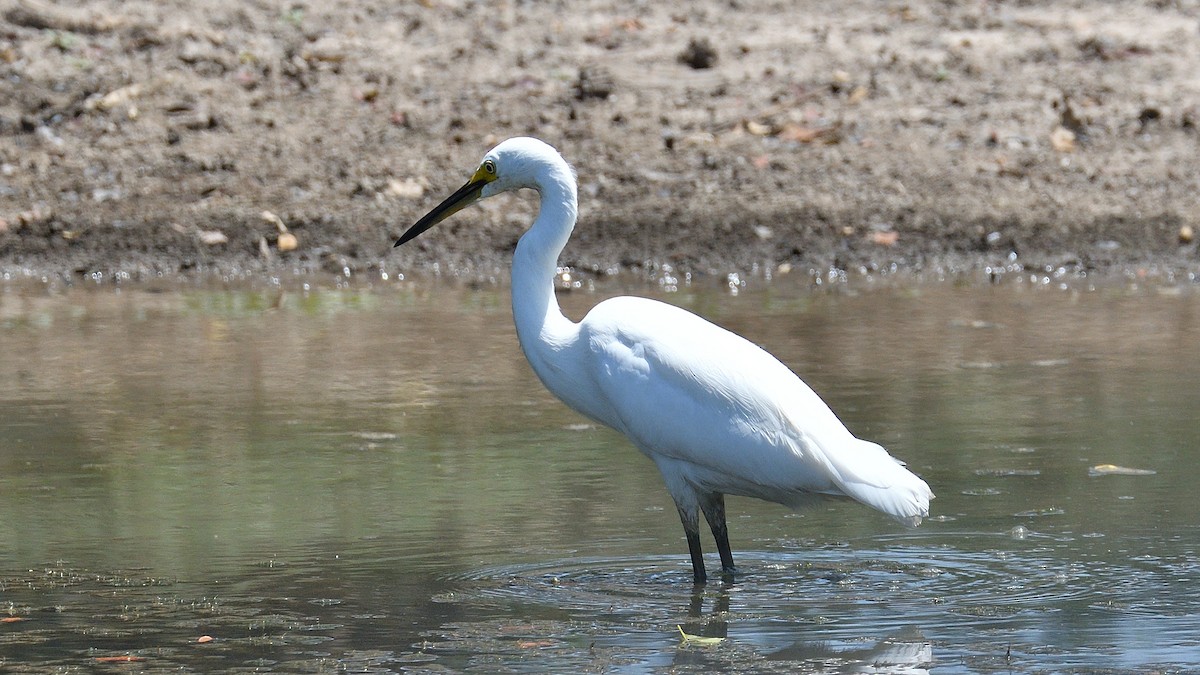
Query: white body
[
  {"x": 719, "y": 414},
  {"x": 715, "y": 412}
]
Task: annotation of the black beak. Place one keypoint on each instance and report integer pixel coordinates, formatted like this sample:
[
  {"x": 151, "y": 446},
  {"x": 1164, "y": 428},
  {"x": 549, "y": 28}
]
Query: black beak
[{"x": 462, "y": 198}]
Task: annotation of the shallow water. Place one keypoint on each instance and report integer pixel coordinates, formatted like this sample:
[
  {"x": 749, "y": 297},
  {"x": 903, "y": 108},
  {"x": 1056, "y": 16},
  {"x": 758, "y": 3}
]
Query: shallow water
[{"x": 374, "y": 481}]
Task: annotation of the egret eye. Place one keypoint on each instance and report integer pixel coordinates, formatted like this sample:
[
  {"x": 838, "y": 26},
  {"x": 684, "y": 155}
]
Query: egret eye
[{"x": 489, "y": 166}]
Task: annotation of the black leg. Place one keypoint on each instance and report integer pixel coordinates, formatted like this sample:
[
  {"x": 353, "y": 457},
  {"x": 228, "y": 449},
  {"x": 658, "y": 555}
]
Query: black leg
[
  {"x": 691, "y": 527},
  {"x": 714, "y": 513}
]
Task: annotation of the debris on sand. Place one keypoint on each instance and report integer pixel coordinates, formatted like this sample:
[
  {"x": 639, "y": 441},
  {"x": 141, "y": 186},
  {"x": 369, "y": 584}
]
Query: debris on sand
[{"x": 699, "y": 54}]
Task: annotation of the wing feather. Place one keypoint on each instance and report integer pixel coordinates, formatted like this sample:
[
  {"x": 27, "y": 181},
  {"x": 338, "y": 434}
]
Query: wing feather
[{"x": 731, "y": 415}]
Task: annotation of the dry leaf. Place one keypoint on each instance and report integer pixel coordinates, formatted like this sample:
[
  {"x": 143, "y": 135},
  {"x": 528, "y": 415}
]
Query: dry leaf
[
  {"x": 1114, "y": 470},
  {"x": 274, "y": 220},
  {"x": 758, "y": 128},
  {"x": 803, "y": 134},
  {"x": 531, "y": 644},
  {"x": 1062, "y": 139},
  {"x": 885, "y": 237},
  {"x": 114, "y": 98}
]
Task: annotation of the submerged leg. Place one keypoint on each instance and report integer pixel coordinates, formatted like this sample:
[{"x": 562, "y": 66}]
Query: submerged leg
[
  {"x": 714, "y": 513},
  {"x": 691, "y": 527}
]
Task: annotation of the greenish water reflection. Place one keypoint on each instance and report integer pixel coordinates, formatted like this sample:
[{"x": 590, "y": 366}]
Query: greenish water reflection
[{"x": 375, "y": 480}]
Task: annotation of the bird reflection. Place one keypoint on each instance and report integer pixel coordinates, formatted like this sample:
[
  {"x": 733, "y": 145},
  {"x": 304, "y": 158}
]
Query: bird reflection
[
  {"x": 906, "y": 651},
  {"x": 713, "y": 625}
]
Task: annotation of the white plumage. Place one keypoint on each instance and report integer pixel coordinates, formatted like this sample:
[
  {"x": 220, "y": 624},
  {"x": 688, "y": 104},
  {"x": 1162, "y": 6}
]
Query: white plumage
[{"x": 716, "y": 413}]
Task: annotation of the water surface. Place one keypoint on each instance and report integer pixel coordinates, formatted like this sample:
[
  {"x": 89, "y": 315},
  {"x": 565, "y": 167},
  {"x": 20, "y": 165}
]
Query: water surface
[{"x": 375, "y": 481}]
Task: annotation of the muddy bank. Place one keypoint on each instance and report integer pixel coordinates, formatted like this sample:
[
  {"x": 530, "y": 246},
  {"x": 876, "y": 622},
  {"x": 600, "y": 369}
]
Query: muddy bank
[{"x": 147, "y": 139}]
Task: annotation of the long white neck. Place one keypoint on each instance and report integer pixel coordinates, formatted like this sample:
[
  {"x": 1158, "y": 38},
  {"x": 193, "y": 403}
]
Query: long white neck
[{"x": 542, "y": 329}]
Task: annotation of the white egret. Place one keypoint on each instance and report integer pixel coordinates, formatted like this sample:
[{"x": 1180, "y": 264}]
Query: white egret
[{"x": 715, "y": 412}]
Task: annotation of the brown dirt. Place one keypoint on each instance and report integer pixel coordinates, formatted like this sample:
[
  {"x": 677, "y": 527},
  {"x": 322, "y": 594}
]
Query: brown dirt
[{"x": 143, "y": 139}]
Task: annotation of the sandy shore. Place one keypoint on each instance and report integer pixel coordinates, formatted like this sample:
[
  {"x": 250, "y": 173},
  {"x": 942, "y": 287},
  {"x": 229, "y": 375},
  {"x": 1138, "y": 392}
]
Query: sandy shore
[{"x": 185, "y": 138}]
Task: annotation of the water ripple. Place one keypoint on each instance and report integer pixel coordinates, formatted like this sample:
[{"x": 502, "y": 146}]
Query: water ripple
[{"x": 857, "y": 601}]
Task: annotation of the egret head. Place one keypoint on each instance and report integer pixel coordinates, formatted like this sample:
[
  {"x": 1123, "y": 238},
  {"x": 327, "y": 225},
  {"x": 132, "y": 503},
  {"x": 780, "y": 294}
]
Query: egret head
[{"x": 511, "y": 165}]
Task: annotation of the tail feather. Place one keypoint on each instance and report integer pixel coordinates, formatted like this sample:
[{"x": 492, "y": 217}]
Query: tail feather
[{"x": 872, "y": 476}]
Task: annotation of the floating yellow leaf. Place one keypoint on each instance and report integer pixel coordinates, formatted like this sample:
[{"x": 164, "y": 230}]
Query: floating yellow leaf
[{"x": 699, "y": 639}]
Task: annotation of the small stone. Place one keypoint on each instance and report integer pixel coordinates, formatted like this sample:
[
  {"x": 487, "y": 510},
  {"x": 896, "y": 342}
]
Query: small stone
[
  {"x": 212, "y": 237},
  {"x": 405, "y": 189},
  {"x": 593, "y": 82},
  {"x": 287, "y": 242}
]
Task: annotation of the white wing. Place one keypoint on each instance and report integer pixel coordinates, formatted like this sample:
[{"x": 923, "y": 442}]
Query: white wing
[{"x": 728, "y": 416}]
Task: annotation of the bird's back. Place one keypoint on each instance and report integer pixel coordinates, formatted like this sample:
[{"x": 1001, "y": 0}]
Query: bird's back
[{"x": 724, "y": 415}]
